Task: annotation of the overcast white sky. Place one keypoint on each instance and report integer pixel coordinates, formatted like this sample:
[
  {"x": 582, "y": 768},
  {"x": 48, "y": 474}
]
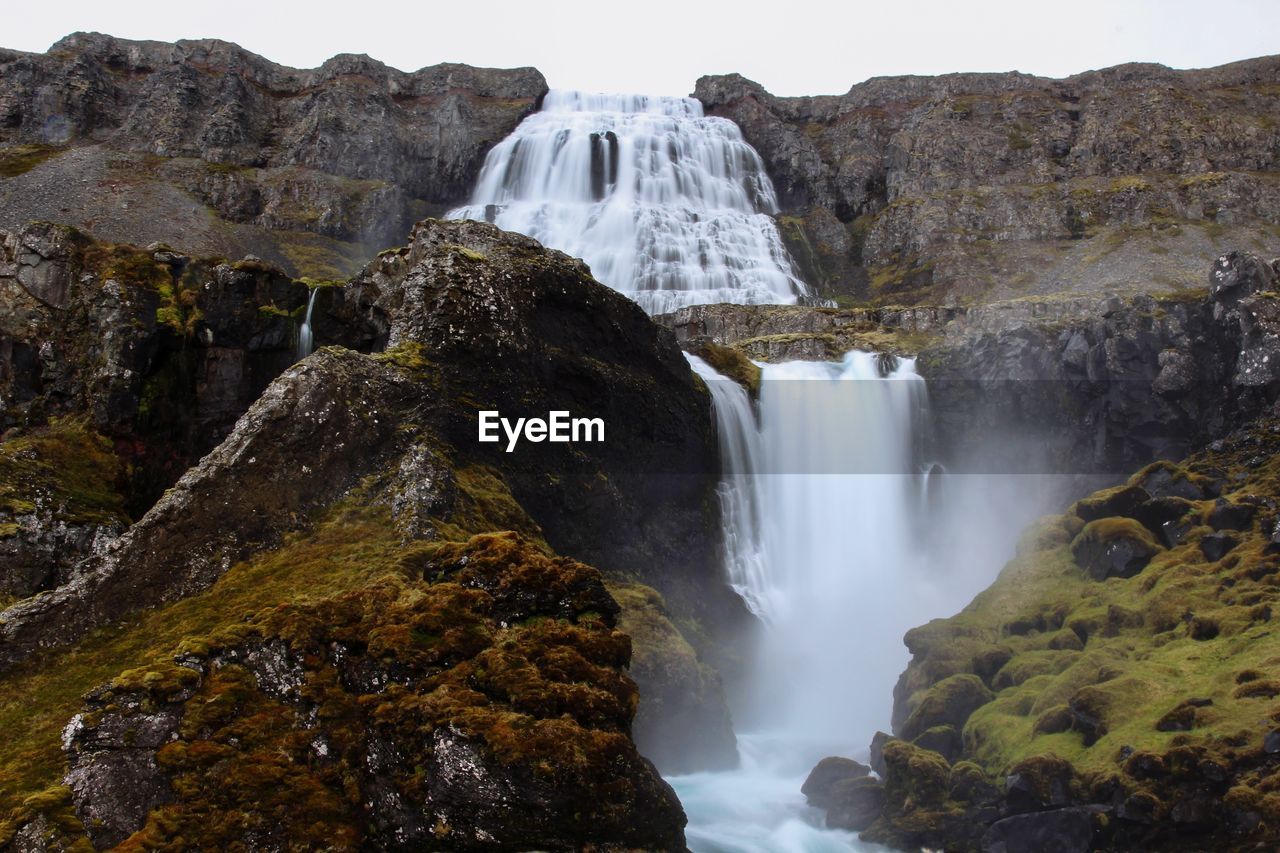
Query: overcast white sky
[{"x": 793, "y": 47}]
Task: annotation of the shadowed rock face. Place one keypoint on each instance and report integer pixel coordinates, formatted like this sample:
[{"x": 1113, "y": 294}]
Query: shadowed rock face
[
  {"x": 977, "y": 186},
  {"x": 498, "y": 323},
  {"x": 315, "y": 169}
]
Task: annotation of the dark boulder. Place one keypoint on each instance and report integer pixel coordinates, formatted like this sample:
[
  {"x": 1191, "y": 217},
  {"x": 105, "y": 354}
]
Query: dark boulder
[
  {"x": 1215, "y": 546},
  {"x": 1113, "y": 547},
  {"x": 944, "y": 740},
  {"x": 855, "y": 803},
  {"x": 1069, "y": 830},
  {"x": 1226, "y": 515},
  {"x": 826, "y": 773}
]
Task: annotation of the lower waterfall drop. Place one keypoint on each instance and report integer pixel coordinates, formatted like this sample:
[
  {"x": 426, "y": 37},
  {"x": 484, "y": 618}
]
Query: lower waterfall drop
[{"x": 817, "y": 500}]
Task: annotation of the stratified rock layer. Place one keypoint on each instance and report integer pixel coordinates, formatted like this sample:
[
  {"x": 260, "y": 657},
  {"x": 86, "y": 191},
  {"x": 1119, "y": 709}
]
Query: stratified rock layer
[
  {"x": 315, "y": 169},
  {"x": 972, "y": 187}
]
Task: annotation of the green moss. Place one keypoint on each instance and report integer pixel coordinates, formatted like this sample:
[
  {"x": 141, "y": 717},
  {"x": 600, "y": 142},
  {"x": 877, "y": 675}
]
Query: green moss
[
  {"x": 19, "y": 159},
  {"x": 408, "y": 355},
  {"x": 353, "y": 545},
  {"x": 1138, "y": 648}
]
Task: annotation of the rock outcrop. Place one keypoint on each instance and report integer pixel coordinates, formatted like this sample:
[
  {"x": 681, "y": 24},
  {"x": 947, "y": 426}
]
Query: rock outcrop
[
  {"x": 973, "y": 187},
  {"x": 355, "y": 469},
  {"x": 486, "y": 709},
  {"x": 205, "y": 145}
]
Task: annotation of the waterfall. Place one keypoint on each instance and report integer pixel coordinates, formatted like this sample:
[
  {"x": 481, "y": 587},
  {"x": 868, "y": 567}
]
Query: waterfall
[
  {"x": 306, "y": 341},
  {"x": 819, "y": 493},
  {"x": 666, "y": 205},
  {"x": 819, "y": 500}
]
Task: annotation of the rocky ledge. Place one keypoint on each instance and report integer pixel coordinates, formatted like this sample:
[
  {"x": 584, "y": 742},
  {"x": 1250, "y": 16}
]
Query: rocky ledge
[{"x": 1067, "y": 385}]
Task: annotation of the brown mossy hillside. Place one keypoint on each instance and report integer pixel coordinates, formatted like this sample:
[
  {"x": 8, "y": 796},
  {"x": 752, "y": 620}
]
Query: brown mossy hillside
[
  {"x": 65, "y": 467},
  {"x": 414, "y": 650},
  {"x": 1153, "y": 688}
]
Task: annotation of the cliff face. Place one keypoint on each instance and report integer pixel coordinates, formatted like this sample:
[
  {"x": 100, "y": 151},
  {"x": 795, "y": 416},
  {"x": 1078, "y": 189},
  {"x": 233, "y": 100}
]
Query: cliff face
[
  {"x": 1083, "y": 385},
  {"x": 205, "y": 145},
  {"x": 971, "y": 187},
  {"x": 472, "y": 690}
]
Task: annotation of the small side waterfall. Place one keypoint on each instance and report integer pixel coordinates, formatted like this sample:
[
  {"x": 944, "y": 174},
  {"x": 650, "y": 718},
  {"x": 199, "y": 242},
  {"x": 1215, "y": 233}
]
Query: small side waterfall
[
  {"x": 663, "y": 203},
  {"x": 306, "y": 340}
]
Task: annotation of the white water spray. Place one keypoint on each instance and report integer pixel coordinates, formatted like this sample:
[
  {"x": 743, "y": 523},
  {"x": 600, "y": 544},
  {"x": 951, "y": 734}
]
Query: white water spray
[
  {"x": 306, "y": 340},
  {"x": 663, "y": 203}
]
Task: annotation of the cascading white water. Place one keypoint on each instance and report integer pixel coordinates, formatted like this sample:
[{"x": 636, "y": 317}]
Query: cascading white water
[
  {"x": 666, "y": 205},
  {"x": 306, "y": 340}
]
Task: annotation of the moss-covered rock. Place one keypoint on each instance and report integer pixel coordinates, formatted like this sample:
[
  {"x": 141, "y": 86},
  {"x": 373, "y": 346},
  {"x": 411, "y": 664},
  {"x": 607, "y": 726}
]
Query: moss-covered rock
[
  {"x": 947, "y": 703},
  {"x": 729, "y": 362},
  {"x": 683, "y": 722},
  {"x": 1146, "y": 695},
  {"x": 424, "y": 701},
  {"x": 1114, "y": 547},
  {"x": 59, "y": 502}
]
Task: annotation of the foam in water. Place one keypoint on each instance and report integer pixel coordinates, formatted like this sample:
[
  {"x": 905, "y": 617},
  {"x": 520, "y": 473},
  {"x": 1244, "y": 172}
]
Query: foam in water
[{"x": 666, "y": 205}]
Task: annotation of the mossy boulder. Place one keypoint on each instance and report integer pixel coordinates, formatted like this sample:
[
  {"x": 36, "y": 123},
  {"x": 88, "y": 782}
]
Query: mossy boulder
[
  {"x": 1114, "y": 547},
  {"x": 1160, "y": 702},
  {"x": 403, "y": 713},
  {"x": 947, "y": 703},
  {"x": 683, "y": 722},
  {"x": 1121, "y": 501}
]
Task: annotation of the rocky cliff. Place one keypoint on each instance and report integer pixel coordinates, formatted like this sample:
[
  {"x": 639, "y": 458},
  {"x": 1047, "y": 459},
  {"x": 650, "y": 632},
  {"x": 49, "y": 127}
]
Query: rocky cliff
[
  {"x": 318, "y": 576},
  {"x": 971, "y": 187},
  {"x": 207, "y": 146},
  {"x": 1083, "y": 385}
]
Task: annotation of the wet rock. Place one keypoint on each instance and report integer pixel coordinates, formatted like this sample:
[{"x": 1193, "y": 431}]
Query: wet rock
[
  {"x": 853, "y": 804},
  {"x": 683, "y": 723},
  {"x": 819, "y": 784},
  {"x": 877, "y": 752},
  {"x": 1058, "y": 831}
]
